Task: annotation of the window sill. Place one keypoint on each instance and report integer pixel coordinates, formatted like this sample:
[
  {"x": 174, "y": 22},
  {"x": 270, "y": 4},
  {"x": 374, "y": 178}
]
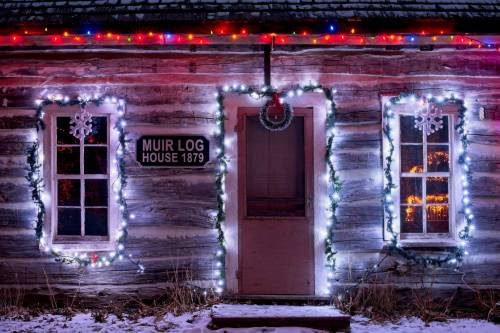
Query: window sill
[
  {"x": 83, "y": 245},
  {"x": 429, "y": 243}
]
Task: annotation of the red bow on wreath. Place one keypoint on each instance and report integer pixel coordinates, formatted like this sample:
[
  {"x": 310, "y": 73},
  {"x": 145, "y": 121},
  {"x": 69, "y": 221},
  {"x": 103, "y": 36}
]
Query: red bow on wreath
[{"x": 276, "y": 110}]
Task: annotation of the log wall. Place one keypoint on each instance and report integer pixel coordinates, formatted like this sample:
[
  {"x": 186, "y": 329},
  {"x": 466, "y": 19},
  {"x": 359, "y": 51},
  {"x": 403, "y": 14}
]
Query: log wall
[{"x": 172, "y": 92}]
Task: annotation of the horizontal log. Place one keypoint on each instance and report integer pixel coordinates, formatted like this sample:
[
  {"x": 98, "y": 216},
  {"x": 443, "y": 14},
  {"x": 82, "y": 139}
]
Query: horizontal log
[
  {"x": 173, "y": 213},
  {"x": 362, "y": 189},
  {"x": 14, "y": 144},
  {"x": 18, "y": 218},
  {"x": 25, "y": 246},
  {"x": 485, "y": 162},
  {"x": 374, "y": 62},
  {"x": 346, "y": 233},
  {"x": 13, "y": 192},
  {"x": 196, "y": 246},
  {"x": 364, "y": 215},
  {"x": 358, "y": 244},
  {"x": 383, "y": 62},
  {"x": 485, "y": 137},
  {"x": 486, "y": 245},
  {"x": 135, "y": 170},
  {"x": 201, "y": 188},
  {"x": 135, "y": 94},
  {"x": 429, "y": 278},
  {"x": 108, "y": 63},
  {"x": 357, "y": 141},
  {"x": 13, "y": 166},
  {"x": 485, "y": 187},
  {"x": 356, "y": 160},
  {"x": 184, "y": 110},
  {"x": 13, "y": 122},
  {"x": 120, "y": 273},
  {"x": 487, "y": 217},
  {"x": 177, "y": 119},
  {"x": 358, "y": 116}
]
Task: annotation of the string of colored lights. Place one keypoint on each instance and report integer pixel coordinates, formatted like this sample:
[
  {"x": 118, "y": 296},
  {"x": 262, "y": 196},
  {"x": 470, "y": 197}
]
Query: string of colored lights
[
  {"x": 334, "y": 184},
  {"x": 396, "y": 40},
  {"x": 35, "y": 165},
  {"x": 456, "y": 255}
]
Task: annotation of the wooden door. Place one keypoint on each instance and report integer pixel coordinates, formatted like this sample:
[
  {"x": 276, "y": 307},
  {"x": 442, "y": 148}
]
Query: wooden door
[{"x": 275, "y": 206}]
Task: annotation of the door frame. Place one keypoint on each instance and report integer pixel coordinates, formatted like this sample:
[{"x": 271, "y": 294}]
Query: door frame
[
  {"x": 317, "y": 101},
  {"x": 307, "y": 114}
]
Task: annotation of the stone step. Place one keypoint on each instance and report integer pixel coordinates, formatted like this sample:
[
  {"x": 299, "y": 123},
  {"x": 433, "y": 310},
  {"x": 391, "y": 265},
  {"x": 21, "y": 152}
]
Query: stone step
[{"x": 242, "y": 315}]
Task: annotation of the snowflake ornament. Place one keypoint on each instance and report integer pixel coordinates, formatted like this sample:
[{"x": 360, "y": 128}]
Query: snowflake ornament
[
  {"x": 429, "y": 119},
  {"x": 81, "y": 124}
]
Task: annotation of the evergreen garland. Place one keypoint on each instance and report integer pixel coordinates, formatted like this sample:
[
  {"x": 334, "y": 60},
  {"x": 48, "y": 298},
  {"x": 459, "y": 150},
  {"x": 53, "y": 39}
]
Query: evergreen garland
[
  {"x": 456, "y": 255},
  {"x": 334, "y": 184},
  {"x": 34, "y": 178}
]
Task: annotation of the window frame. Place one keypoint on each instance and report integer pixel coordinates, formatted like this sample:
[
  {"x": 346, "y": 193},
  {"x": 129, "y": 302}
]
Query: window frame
[
  {"x": 49, "y": 165},
  {"x": 454, "y": 175}
]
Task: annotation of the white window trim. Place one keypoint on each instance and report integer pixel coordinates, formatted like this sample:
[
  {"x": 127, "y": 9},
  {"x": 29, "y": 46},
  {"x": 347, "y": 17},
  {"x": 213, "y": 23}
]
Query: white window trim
[
  {"x": 449, "y": 239},
  {"x": 48, "y": 139}
]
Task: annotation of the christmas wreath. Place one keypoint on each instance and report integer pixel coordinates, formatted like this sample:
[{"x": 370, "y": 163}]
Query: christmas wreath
[{"x": 275, "y": 115}]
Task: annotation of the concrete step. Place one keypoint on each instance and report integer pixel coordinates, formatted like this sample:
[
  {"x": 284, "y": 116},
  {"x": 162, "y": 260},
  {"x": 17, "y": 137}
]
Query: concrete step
[{"x": 242, "y": 315}]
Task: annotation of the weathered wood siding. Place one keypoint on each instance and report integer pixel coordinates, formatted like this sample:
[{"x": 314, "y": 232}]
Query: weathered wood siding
[{"x": 172, "y": 92}]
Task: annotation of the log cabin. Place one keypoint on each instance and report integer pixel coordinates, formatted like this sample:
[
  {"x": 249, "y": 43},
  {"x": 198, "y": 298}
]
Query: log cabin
[{"x": 251, "y": 148}]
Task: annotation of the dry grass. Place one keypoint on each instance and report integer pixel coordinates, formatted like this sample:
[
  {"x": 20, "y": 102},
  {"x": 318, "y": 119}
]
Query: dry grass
[
  {"x": 181, "y": 296},
  {"x": 382, "y": 302},
  {"x": 376, "y": 296}
]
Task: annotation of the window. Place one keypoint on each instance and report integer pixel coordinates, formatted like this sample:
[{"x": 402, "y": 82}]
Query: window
[
  {"x": 423, "y": 171},
  {"x": 79, "y": 168},
  {"x": 275, "y": 171},
  {"x": 82, "y": 179},
  {"x": 424, "y": 175}
]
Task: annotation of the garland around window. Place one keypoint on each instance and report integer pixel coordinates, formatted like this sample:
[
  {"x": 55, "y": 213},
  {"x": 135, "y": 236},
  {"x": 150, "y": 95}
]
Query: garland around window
[
  {"x": 34, "y": 177},
  {"x": 334, "y": 184},
  {"x": 457, "y": 254}
]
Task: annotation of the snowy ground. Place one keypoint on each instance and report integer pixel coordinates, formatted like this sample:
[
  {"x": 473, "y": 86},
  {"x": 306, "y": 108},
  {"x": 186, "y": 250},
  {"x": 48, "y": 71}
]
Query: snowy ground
[{"x": 197, "y": 323}]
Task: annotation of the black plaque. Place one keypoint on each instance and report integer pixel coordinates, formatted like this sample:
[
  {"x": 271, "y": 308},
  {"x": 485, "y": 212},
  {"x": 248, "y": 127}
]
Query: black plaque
[{"x": 172, "y": 150}]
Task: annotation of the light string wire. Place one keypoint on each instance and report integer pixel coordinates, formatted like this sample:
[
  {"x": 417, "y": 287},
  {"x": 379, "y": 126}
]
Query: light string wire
[
  {"x": 333, "y": 180},
  {"x": 460, "y": 41},
  {"x": 457, "y": 253},
  {"x": 35, "y": 179}
]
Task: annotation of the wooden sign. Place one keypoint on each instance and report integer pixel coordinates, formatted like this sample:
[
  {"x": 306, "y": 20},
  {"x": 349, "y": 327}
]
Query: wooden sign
[{"x": 172, "y": 150}]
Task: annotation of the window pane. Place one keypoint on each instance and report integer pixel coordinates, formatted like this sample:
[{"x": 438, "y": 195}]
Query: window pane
[
  {"x": 68, "y": 160},
  {"x": 68, "y": 192},
  {"x": 411, "y": 191},
  {"x": 412, "y": 159},
  {"x": 411, "y": 219},
  {"x": 437, "y": 190},
  {"x": 442, "y": 134},
  {"x": 99, "y": 133},
  {"x": 437, "y": 159},
  {"x": 275, "y": 172},
  {"x": 68, "y": 221},
  {"x": 409, "y": 134},
  {"x": 96, "y": 221},
  {"x": 437, "y": 218},
  {"x": 63, "y": 134},
  {"x": 96, "y": 160},
  {"x": 96, "y": 192}
]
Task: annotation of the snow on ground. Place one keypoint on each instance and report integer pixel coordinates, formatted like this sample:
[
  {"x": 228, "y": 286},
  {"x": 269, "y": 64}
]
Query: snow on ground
[{"x": 197, "y": 323}]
